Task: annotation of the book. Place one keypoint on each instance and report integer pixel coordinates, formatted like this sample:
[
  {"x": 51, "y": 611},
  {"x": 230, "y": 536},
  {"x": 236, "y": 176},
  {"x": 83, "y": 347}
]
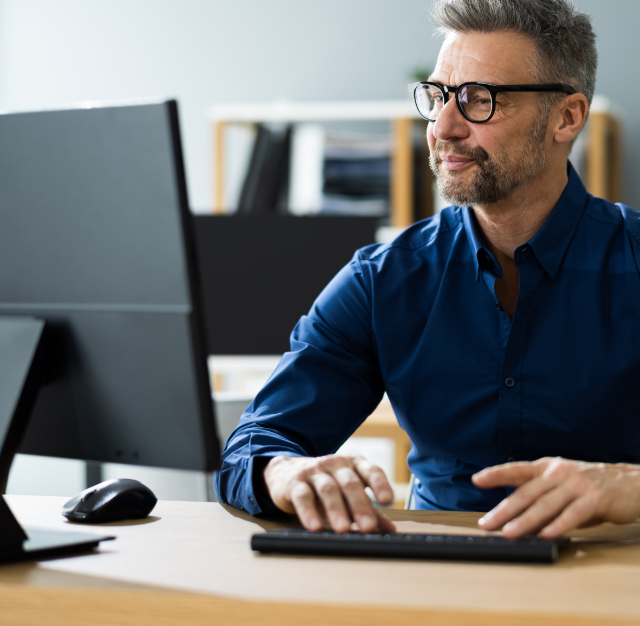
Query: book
[
  {"x": 306, "y": 169},
  {"x": 357, "y": 173},
  {"x": 266, "y": 182}
]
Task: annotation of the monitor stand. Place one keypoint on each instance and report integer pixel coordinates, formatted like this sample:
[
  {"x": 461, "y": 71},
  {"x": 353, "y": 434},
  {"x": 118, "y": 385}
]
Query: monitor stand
[{"x": 22, "y": 368}]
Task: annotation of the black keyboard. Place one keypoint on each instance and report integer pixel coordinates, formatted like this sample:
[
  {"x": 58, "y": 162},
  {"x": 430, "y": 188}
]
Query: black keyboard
[{"x": 409, "y": 546}]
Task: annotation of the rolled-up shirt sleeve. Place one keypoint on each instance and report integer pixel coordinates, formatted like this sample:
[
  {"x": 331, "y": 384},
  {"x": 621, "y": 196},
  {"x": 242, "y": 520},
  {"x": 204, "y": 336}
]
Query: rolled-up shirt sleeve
[{"x": 319, "y": 394}]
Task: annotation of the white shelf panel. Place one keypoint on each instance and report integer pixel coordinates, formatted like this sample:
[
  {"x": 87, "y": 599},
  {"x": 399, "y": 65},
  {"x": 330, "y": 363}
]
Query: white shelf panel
[{"x": 282, "y": 111}]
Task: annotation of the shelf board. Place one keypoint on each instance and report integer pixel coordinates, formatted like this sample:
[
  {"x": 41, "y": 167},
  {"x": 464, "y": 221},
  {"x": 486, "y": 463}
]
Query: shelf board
[{"x": 283, "y": 111}]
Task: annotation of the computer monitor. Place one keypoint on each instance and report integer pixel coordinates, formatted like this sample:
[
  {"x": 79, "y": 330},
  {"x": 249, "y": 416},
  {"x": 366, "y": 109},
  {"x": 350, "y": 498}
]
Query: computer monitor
[
  {"x": 100, "y": 305},
  {"x": 269, "y": 269}
]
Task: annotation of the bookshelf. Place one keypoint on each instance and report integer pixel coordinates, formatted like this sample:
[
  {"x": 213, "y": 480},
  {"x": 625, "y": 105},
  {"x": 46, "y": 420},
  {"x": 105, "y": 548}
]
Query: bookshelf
[
  {"x": 401, "y": 114},
  {"x": 601, "y": 149}
]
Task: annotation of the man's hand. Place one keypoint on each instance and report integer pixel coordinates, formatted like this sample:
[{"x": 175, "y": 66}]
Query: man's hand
[
  {"x": 556, "y": 495},
  {"x": 330, "y": 487}
]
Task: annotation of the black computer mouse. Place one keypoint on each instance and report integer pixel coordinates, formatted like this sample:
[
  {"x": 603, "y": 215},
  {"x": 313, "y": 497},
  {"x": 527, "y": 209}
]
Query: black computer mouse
[{"x": 111, "y": 501}]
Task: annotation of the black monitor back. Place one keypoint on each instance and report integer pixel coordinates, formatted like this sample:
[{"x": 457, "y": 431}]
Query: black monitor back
[
  {"x": 260, "y": 273},
  {"x": 96, "y": 239}
]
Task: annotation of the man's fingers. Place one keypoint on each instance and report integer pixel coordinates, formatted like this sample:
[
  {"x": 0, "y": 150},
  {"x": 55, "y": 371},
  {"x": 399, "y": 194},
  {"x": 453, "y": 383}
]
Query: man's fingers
[
  {"x": 329, "y": 493},
  {"x": 511, "y": 474},
  {"x": 516, "y": 503},
  {"x": 329, "y": 488},
  {"x": 578, "y": 513},
  {"x": 359, "y": 504},
  {"x": 303, "y": 500},
  {"x": 374, "y": 477},
  {"x": 546, "y": 508}
]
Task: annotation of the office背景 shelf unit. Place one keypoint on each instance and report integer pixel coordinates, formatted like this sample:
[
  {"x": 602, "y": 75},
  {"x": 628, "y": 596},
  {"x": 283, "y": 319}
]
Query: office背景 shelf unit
[
  {"x": 602, "y": 174},
  {"x": 600, "y": 143},
  {"x": 401, "y": 114}
]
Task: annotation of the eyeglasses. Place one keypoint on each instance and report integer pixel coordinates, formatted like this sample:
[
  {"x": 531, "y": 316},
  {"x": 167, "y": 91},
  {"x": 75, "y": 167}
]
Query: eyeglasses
[{"x": 476, "y": 101}]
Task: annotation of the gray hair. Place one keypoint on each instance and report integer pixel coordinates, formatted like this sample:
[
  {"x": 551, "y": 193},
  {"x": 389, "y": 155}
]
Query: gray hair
[{"x": 561, "y": 34}]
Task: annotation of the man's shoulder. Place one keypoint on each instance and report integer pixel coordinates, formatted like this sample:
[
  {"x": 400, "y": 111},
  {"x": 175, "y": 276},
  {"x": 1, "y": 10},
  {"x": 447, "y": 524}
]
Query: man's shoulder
[
  {"x": 617, "y": 215},
  {"x": 631, "y": 220},
  {"x": 422, "y": 235}
]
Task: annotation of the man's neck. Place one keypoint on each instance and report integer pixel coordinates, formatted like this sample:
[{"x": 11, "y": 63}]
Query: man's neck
[{"x": 508, "y": 224}]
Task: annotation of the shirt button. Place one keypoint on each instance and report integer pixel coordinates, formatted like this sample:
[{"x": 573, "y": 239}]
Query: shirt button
[
  {"x": 509, "y": 382},
  {"x": 498, "y": 306},
  {"x": 511, "y": 460}
]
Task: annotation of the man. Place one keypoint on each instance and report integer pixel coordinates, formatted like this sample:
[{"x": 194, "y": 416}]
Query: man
[{"x": 505, "y": 330}]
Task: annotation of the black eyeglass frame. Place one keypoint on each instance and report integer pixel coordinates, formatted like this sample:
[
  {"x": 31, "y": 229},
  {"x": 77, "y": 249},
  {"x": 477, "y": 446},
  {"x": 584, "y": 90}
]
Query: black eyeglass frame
[{"x": 492, "y": 89}]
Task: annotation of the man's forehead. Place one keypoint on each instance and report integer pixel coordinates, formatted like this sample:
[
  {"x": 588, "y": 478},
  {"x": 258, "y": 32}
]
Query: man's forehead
[{"x": 501, "y": 58}]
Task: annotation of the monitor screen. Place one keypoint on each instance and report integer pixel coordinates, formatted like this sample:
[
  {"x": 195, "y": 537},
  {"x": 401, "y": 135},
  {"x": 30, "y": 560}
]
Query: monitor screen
[
  {"x": 261, "y": 273},
  {"x": 96, "y": 239}
]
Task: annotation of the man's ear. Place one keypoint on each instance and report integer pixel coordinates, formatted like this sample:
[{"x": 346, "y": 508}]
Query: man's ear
[{"x": 570, "y": 117}]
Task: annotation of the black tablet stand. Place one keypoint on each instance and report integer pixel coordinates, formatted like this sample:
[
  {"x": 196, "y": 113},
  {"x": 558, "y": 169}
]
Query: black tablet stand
[{"x": 22, "y": 372}]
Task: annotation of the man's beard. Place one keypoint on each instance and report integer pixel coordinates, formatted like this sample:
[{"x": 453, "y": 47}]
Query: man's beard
[{"x": 497, "y": 176}]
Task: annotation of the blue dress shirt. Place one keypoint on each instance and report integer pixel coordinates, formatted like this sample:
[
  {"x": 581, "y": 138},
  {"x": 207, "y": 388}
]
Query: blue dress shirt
[{"x": 419, "y": 319}]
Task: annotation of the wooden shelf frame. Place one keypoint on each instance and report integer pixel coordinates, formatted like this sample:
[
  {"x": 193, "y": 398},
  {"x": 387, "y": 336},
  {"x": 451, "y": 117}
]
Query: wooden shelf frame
[{"x": 603, "y": 158}]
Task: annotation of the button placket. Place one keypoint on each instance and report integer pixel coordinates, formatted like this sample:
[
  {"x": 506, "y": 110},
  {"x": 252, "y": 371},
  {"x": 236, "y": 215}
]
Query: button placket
[{"x": 510, "y": 390}]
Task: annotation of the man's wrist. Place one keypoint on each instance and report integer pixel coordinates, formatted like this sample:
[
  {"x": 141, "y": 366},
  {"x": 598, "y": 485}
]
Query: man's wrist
[
  {"x": 269, "y": 466},
  {"x": 261, "y": 492},
  {"x": 260, "y": 488}
]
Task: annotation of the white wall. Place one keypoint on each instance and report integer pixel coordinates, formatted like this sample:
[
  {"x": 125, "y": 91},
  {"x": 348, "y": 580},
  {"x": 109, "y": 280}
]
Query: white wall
[
  {"x": 208, "y": 51},
  {"x": 56, "y": 52}
]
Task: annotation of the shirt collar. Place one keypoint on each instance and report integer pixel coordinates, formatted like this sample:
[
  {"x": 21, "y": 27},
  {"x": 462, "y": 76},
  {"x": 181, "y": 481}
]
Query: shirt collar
[
  {"x": 477, "y": 247},
  {"x": 550, "y": 243}
]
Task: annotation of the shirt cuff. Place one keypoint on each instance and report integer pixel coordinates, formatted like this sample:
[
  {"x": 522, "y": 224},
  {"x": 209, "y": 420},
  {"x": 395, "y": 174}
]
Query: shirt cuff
[{"x": 259, "y": 501}]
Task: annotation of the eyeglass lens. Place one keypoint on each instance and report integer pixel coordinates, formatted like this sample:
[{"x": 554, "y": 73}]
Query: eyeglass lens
[{"x": 475, "y": 100}]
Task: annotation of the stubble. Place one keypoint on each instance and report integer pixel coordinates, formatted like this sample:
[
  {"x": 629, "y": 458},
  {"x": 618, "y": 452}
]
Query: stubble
[{"x": 497, "y": 176}]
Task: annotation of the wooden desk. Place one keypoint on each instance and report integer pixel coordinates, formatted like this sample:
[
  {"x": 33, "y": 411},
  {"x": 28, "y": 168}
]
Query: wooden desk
[{"x": 191, "y": 564}]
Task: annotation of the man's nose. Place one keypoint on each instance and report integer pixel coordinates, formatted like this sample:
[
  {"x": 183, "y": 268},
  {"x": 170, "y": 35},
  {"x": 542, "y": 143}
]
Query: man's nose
[{"x": 450, "y": 123}]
